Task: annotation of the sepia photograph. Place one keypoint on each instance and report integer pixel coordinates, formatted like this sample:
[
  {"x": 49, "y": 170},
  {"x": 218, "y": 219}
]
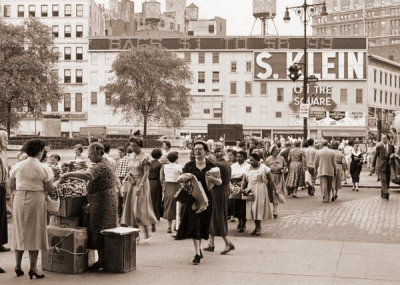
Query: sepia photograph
[{"x": 196, "y": 142}]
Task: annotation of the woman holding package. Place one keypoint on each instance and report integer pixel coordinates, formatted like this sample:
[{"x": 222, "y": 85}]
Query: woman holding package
[
  {"x": 196, "y": 225},
  {"x": 169, "y": 176},
  {"x": 278, "y": 168},
  {"x": 31, "y": 180},
  {"x": 220, "y": 198},
  {"x": 255, "y": 184},
  {"x": 102, "y": 199},
  {"x": 138, "y": 208},
  {"x": 340, "y": 164},
  {"x": 356, "y": 165}
]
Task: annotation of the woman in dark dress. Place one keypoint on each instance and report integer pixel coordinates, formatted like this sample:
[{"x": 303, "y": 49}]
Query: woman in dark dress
[
  {"x": 220, "y": 198},
  {"x": 355, "y": 165},
  {"x": 102, "y": 199},
  {"x": 155, "y": 184},
  {"x": 193, "y": 225}
]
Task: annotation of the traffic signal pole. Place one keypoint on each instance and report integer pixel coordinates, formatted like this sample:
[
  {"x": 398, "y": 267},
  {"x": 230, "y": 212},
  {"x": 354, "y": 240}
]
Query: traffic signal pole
[{"x": 305, "y": 75}]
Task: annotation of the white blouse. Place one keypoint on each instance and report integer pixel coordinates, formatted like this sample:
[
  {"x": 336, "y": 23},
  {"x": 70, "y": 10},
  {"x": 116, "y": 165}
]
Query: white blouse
[
  {"x": 172, "y": 172},
  {"x": 238, "y": 170},
  {"x": 30, "y": 175}
]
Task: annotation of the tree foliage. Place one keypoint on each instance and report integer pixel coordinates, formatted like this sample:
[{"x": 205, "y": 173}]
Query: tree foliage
[
  {"x": 26, "y": 63},
  {"x": 150, "y": 86}
]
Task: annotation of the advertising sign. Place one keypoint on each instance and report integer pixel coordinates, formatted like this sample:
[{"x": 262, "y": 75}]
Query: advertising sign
[
  {"x": 304, "y": 110},
  {"x": 325, "y": 65},
  {"x": 319, "y": 119},
  {"x": 317, "y": 96}
]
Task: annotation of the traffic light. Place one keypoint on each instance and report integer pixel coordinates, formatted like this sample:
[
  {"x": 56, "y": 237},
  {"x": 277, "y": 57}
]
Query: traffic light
[{"x": 294, "y": 72}]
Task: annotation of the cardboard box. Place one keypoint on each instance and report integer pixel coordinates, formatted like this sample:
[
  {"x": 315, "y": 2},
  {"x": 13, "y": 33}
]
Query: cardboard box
[
  {"x": 70, "y": 255},
  {"x": 120, "y": 249},
  {"x": 71, "y": 222}
]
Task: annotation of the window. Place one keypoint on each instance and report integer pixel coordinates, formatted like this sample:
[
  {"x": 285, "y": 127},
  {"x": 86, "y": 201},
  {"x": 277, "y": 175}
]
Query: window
[
  {"x": 374, "y": 75},
  {"x": 263, "y": 88},
  {"x": 375, "y": 95},
  {"x": 248, "y": 88},
  {"x": 79, "y": 76},
  {"x": 67, "y": 102},
  {"x": 67, "y": 31},
  {"x": 381, "y": 97},
  {"x": 233, "y": 66},
  {"x": 93, "y": 98},
  {"x": 79, "y": 53},
  {"x": 188, "y": 57},
  {"x": 79, "y": 31},
  {"x": 171, "y": 26},
  {"x": 215, "y": 57},
  {"x": 390, "y": 80},
  {"x": 162, "y": 23},
  {"x": 207, "y": 111},
  {"x": 45, "y": 10},
  {"x": 215, "y": 77},
  {"x": 248, "y": 109},
  {"x": 359, "y": 96},
  {"x": 233, "y": 88},
  {"x": 279, "y": 94},
  {"x": 248, "y": 66},
  {"x": 386, "y": 77},
  {"x": 202, "y": 57},
  {"x": 55, "y": 10},
  {"x": 21, "y": 11},
  {"x": 201, "y": 90},
  {"x": 54, "y": 106},
  {"x": 390, "y": 98},
  {"x": 67, "y": 53},
  {"x": 380, "y": 77},
  {"x": 343, "y": 96},
  {"x": 386, "y": 97},
  {"x": 32, "y": 10},
  {"x": 54, "y": 74},
  {"x": 67, "y": 10},
  {"x": 7, "y": 11},
  {"x": 108, "y": 99},
  {"x": 55, "y": 31},
  {"x": 395, "y": 99},
  {"x": 79, "y": 10},
  {"x": 201, "y": 77},
  {"x": 78, "y": 102},
  {"x": 278, "y": 114},
  {"x": 211, "y": 29},
  {"x": 67, "y": 76}
]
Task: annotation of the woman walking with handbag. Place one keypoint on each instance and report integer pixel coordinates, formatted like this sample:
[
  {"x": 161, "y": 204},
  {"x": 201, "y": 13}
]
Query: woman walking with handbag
[
  {"x": 196, "y": 225},
  {"x": 356, "y": 166},
  {"x": 31, "y": 180}
]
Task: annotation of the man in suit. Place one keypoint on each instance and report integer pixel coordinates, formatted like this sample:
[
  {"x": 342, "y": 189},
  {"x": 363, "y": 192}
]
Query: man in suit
[
  {"x": 325, "y": 166},
  {"x": 381, "y": 163}
]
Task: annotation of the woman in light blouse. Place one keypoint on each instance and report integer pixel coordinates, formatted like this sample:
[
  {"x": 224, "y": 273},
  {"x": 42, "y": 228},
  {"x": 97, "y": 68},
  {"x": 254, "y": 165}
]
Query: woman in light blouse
[{"x": 31, "y": 180}]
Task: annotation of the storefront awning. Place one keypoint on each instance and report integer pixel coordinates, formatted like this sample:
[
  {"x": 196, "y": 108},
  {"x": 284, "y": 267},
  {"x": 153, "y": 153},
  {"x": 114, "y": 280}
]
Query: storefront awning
[{"x": 349, "y": 133}]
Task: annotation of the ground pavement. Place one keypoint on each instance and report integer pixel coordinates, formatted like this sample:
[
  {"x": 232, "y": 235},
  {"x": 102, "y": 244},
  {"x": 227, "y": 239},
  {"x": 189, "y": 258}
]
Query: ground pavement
[{"x": 355, "y": 240}]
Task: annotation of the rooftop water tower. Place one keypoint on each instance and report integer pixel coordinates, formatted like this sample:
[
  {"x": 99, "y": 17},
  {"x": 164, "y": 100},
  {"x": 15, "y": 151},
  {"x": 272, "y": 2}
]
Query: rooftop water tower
[{"x": 264, "y": 10}]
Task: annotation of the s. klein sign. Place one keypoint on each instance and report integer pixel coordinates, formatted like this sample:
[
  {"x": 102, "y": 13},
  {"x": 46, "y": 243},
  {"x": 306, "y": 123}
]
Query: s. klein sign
[{"x": 325, "y": 65}]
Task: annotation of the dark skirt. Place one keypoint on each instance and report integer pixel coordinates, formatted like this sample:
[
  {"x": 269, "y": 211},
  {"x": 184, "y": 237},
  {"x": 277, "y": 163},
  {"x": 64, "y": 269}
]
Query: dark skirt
[
  {"x": 156, "y": 197},
  {"x": 3, "y": 215},
  {"x": 240, "y": 209},
  {"x": 169, "y": 202},
  {"x": 193, "y": 225},
  {"x": 103, "y": 215},
  {"x": 355, "y": 170},
  {"x": 219, "y": 214}
]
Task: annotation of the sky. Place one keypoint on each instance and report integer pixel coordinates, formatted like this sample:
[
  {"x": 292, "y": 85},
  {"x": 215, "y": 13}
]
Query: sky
[{"x": 239, "y": 16}]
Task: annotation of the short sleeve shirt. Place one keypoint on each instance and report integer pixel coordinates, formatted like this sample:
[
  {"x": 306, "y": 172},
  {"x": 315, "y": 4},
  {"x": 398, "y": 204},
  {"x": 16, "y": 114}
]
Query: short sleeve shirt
[{"x": 30, "y": 175}]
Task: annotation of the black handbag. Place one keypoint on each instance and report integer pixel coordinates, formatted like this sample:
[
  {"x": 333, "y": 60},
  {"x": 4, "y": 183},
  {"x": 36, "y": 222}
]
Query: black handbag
[{"x": 184, "y": 196}]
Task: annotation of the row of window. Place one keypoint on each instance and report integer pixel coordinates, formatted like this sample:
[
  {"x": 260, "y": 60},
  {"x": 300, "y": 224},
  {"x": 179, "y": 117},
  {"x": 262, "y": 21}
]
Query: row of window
[
  {"x": 44, "y": 11},
  {"x": 215, "y": 59},
  {"x": 386, "y": 97},
  {"x": 67, "y": 31},
  {"x": 67, "y": 101},
  {"x": 68, "y": 52},
  {"x": 248, "y": 109},
  {"x": 248, "y": 87},
  {"x": 68, "y": 75},
  {"x": 387, "y": 79}
]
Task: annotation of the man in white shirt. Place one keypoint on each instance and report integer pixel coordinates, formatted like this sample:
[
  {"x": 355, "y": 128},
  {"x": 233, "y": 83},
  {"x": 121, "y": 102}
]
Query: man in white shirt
[{"x": 310, "y": 152}]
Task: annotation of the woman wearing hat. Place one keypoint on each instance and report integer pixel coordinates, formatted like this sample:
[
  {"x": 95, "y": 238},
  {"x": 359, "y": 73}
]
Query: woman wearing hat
[
  {"x": 196, "y": 225},
  {"x": 138, "y": 208}
]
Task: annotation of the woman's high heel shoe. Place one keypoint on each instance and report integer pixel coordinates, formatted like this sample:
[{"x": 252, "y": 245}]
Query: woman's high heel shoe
[
  {"x": 33, "y": 273},
  {"x": 18, "y": 271}
]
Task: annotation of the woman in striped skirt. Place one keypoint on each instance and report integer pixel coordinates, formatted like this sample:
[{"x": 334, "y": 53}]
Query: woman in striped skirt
[{"x": 31, "y": 181}]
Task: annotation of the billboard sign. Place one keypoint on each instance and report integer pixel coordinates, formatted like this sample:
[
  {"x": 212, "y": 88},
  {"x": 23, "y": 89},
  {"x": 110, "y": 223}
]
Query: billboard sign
[{"x": 325, "y": 65}]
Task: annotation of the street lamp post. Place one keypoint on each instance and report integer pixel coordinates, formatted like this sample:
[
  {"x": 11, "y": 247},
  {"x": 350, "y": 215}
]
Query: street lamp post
[{"x": 305, "y": 12}]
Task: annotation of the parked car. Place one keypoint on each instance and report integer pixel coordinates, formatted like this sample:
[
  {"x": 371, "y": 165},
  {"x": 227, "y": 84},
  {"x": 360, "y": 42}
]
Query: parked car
[{"x": 176, "y": 141}]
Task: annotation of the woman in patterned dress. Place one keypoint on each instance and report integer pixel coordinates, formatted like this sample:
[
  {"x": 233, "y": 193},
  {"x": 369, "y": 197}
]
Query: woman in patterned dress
[
  {"x": 31, "y": 180},
  {"x": 138, "y": 208},
  {"x": 102, "y": 199},
  {"x": 297, "y": 168},
  {"x": 256, "y": 180},
  {"x": 278, "y": 168}
]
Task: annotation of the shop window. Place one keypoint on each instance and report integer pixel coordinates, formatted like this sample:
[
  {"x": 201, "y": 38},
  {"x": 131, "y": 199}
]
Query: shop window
[
  {"x": 233, "y": 66},
  {"x": 67, "y": 102},
  {"x": 67, "y": 53},
  {"x": 202, "y": 57},
  {"x": 233, "y": 88},
  {"x": 201, "y": 77},
  {"x": 55, "y": 10},
  {"x": 7, "y": 11},
  {"x": 79, "y": 76},
  {"x": 21, "y": 11},
  {"x": 215, "y": 77},
  {"x": 279, "y": 94},
  {"x": 68, "y": 10},
  {"x": 45, "y": 10},
  {"x": 359, "y": 96},
  {"x": 215, "y": 58},
  {"x": 78, "y": 102},
  {"x": 67, "y": 76},
  {"x": 79, "y": 31},
  {"x": 93, "y": 98}
]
